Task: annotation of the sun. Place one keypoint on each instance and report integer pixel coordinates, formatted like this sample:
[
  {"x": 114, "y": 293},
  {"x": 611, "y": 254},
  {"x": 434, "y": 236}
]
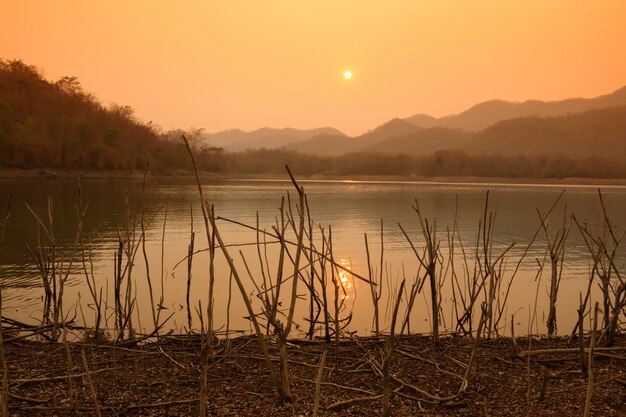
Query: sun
[{"x": 347, "y": 75}]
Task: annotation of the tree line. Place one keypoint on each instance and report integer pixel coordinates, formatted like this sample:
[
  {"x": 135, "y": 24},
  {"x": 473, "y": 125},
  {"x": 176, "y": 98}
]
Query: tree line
[
  {"x": 439, "y": 164},
  {"x": 57, "y": 125}
]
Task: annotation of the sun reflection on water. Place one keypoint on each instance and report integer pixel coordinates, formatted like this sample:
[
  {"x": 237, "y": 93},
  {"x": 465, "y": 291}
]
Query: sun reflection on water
[{"x": 345, "y": 277}]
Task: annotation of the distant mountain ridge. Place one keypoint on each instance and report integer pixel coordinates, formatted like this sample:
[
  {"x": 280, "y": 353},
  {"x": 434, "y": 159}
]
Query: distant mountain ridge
[
  {"x": 334, "y": 145},
  {"x": 484, "y": 114},
  {"x": 598, "y": 133},
  {"x": 422, "y": 134},
  {"x": 238, "y": 140}
]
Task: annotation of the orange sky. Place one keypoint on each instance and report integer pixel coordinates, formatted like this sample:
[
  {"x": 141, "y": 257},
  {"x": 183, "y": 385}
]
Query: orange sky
[{"x": 249, "y": 64}]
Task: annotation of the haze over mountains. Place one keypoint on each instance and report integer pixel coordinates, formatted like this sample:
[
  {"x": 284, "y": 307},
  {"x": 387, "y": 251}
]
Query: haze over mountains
[
  {"x": 571, "y": 127},
  {"x": 56, "y": 125},
  {"x": 237, "y": 140},
  {"x": 487, "y": 113}
]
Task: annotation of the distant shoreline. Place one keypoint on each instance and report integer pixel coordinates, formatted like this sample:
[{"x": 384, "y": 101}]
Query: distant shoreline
[{"x": 16, "y": 173}]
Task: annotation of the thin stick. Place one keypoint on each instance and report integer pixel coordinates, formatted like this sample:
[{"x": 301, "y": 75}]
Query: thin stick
[
  {"x": 318, "y": 383},
  {"x": 581, "y": 338},
  {"x": 96, "y": 406},
  {"x": 4, "y": 407},
  {"x": 592, "y": 347}
]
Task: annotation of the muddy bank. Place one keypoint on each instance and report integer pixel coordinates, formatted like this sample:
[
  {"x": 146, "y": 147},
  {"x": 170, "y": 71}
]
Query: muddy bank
[{"x": 162, "y": 378}]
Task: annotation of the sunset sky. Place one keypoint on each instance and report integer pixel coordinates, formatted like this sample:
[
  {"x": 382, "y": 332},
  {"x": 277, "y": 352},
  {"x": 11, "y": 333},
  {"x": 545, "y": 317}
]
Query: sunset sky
[{"x": 278, "y": 63}]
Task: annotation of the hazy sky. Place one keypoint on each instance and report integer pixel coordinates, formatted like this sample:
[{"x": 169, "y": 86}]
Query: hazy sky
[{"x": 250, "y": 64}]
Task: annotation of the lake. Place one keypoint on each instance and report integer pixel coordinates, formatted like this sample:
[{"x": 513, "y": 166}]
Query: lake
[{"x": 353, "y": 208}]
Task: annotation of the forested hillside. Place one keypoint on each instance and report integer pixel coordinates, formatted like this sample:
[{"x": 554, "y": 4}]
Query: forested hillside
[
  {"x": 487, "y": 113},
  {"x": 57, "y": 125},
  {"x": 599, "y": 133}
]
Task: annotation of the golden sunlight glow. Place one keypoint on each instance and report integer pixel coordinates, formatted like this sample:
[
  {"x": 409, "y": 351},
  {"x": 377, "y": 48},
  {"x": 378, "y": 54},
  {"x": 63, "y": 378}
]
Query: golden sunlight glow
[
  {"x": 344, "y": 278},
  {"x": 468, "y": 52}
]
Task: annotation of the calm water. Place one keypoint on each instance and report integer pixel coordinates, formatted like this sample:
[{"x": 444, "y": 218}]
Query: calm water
[{"x": 352, "y": 208}]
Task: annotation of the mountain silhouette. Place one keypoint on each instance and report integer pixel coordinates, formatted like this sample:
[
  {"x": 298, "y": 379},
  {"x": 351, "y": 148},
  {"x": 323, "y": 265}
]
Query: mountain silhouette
[
  {"x": 487, "y": 113},
  {"x": 238, "y": 140},
  {"x": 334, "y": 145},
  {"x": 599, "y": 133}
]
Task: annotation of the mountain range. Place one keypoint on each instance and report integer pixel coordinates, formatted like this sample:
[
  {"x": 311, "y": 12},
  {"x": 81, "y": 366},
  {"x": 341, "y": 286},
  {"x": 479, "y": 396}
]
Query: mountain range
[
  {"x": 487, "y": 113},
  {"x": 567, "y": 127},
  {"x": 237, "y": 140}
]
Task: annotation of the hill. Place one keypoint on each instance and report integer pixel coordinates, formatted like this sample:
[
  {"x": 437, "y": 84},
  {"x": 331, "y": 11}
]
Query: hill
[
  {"x": 423, "y": 142},
  {"x": 334, "y": 145},
  {"x": 238, "y": 140},
  {"x": 487, "y": 113},
  {"x": 57, "y": 125},
  {"x": 596, "y": 133}
]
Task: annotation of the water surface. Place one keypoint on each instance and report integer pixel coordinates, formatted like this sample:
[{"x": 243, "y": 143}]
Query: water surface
[{"x": 353, "y": 208}]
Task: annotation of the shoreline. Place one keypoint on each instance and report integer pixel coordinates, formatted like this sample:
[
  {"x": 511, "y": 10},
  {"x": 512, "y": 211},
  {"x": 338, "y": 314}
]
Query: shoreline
[
  {"x": 17, "y": 174},
  {"x": 164, "y": 376}
]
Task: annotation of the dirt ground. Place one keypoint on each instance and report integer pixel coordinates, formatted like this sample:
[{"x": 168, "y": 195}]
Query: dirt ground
[{"x": 163, "y": 378}]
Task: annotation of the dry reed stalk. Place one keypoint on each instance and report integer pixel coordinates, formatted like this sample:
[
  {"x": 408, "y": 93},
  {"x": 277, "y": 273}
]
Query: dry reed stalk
[
  {"x": 556, "y": 250},
  {"x": 280, "y": 233},
  {"x": 266, "y": 285},
  {"x": 315, "y": 303},
  {"x": 318, "y": 384},
  {"x": 581, "y": 339},
  {"x": 4, "y": 397},
  {"x": 491, "y": 271},
  {"x": 212, "y": 236},
  {"x": 92, "y": 388},
  {"x": 312, "y": 296},
  {"x": 299, "y": 250},
  {"x": 595, "y": 269},
  {"x": 531, "y": 320},
  {"x": 44, "y": 258},
  {"x": 411, "y": 301},
  {"x": 130, "y": 251},
  {"x": 143, "y": 244},
  {"x": 204, "y": 365},
  {"x": 319, "y": 253},
  {"x": 376, "y": 285},
  {"x": 603, "y": 247},
  {"x": 162, "y": 296},
  {"x": 491, "y": 267},
  {"x": 592, "y": 346},
  {"x": 335, "y": 281},
  {"x": 324, "y": 284},
  {"x": 117, "y": 285},
  {"x": 52, "y": 271},
  {"x": 472, "y": 286},
  {"x": 382, "y": 260},
  {"x": 68, "y": 354},
  {"x": 283, "y": 334},
  {"x": 230, "y": 296},
  {"x": 209, "y": 227},
  {"x": 544, "y": 384},
  {"x": 189, "y": 266},
  {"x": 246, "y": 301},
  {"x": 372, "y": 289},
  {"x": 619, "y": 289},
  {"x": 428, "y": 261},
  {"x": 389, "y": 348},
  {"x": 81, "y": 209},
  {"x": 513, "y": 338}
]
